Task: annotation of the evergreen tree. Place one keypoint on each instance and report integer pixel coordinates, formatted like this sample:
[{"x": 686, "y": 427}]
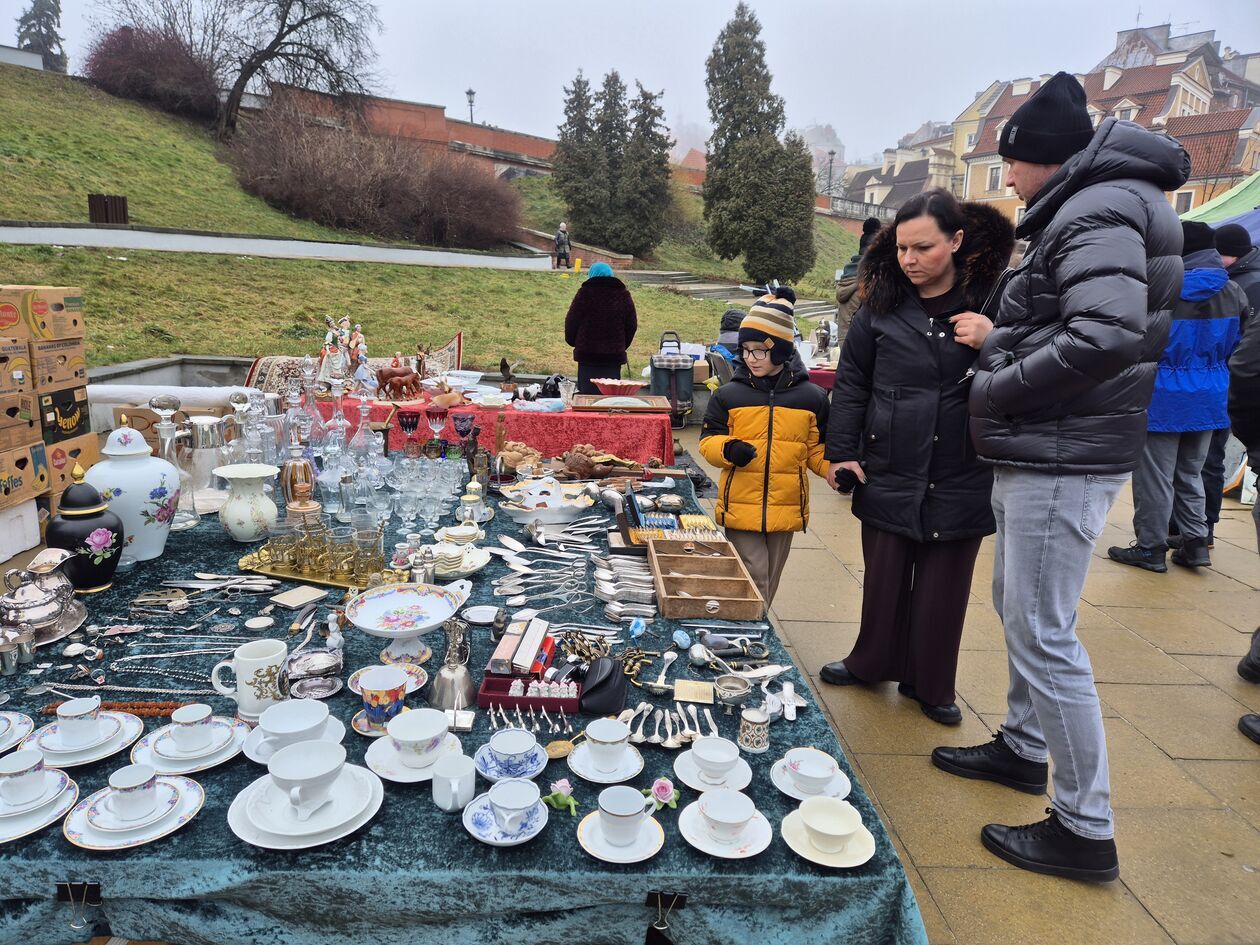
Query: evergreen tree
[
  {"x": 755, "y": 201},
  {"x": 37, "y": 33},
  {"x": 643, "y": 194},
  {"x": 612, "y": 133},
  {"x": 580, "y": 170}
]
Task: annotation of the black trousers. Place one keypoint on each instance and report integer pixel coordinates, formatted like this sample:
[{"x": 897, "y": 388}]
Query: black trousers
[
  {"x": 587, "y": 370},
  {"x": 914, "y": 604}
]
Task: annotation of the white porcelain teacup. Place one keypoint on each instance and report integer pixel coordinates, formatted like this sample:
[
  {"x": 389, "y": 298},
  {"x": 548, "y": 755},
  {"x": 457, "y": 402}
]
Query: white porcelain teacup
[
  {"x": 726, "y": 813},
  {"x": 132, "y": 792},
  {"x": 22, "y": 776},
  {"x": 418, "y": 736},
  {"x": 511, "y": 800},
  {"x": 305, "y": 772},
  {"x": 288, "y": 723},
  {"x": 190, "y": 726},
  {"x": 715, "y": 757},
  {"x": 622, "y": 811},
  {"x": 607, "y": 739},
  {"x": 512, "y": 746},
  {"x": 79, "y": 721},
  {"x": 830, "y": 823},
  {"x": 811, "y": 770}
]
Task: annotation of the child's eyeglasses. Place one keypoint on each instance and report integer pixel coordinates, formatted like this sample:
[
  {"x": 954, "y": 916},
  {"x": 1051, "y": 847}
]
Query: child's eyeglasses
[{"x": 755, "y": 354}]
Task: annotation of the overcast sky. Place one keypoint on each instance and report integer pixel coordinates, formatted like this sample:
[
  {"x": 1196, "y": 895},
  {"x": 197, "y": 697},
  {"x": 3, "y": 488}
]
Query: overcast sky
[{"x": 873, "y": 70}]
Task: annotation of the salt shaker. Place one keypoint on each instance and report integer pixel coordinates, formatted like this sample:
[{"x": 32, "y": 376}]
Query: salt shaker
[{"x": 425, "y": 571}]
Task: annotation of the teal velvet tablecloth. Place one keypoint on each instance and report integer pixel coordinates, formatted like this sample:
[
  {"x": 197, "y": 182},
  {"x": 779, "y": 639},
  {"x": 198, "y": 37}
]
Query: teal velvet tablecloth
[{"x": 413, "y": 875}]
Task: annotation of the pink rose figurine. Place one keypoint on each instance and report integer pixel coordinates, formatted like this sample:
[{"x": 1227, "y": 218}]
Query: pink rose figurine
[{"x": 664, "y": 793}]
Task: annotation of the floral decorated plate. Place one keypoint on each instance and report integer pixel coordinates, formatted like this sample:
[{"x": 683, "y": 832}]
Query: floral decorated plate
[
  {"x": 16, "y": 727},
  {"x": 416, "y": 678},
  {"x": 142, "y": 752},
  {"x": 81, "y": 833},
  {"x": 402, "y": 612},
  {"x": 23, "y": 825}
]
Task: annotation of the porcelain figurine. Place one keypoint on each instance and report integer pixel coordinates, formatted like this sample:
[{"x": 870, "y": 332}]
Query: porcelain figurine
[
  {"x": 140, "y": 489},
  {"x": 248, "y": 512},
  {"x": 86, "y": 528}
]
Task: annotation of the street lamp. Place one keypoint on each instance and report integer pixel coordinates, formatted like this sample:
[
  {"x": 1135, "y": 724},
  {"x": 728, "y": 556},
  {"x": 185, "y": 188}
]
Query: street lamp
[
  {"x": 471, "y": 95},
  {"x": 831, "y": 157}
]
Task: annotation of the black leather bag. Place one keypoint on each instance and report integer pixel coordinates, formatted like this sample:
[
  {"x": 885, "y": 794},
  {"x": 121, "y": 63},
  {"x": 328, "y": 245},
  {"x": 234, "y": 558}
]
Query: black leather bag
[{"x": 604, "y": 687}]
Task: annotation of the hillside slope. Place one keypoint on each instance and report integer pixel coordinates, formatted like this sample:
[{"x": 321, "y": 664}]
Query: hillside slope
[
  {"x": 684, "y": 249},
  {"x": 60, "y": 140}
]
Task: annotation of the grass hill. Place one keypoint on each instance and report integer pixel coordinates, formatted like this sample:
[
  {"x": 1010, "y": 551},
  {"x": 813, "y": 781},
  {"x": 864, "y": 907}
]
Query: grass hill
[
  {"x": 61, "y": 139},
  {"x": 684, "y": 248}
]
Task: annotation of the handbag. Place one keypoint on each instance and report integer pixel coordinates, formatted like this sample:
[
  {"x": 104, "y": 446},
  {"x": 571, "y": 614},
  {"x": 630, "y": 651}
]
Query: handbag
[{"x": 604, "y": 687}]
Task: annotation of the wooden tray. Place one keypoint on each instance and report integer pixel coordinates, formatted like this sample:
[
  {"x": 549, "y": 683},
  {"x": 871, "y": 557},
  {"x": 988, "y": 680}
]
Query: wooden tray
[
  {"x": 655, "y": 403},
  {"x": 703, "y": 579}
]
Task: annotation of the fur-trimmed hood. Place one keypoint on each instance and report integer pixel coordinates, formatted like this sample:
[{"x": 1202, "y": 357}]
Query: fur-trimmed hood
[{"x": 988, "y": 240}]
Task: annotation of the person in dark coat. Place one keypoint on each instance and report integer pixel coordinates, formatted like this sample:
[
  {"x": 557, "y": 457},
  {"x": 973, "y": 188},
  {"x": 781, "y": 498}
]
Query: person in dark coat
[
  {"x": 1241, "y": 260},
  {"x": 870, "y": 228},
  {"x": 899, "y": 425},
  {"x": 600, "y": 326},
  {"x": 563, "y": 245},
  {"x": 1058, "y": 405},
  {"x": 1187, "y": 409}
]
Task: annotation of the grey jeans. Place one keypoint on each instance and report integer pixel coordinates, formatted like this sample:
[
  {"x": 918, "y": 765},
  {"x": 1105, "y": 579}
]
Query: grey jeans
[
  {"x": 1168, "y": 485},
  {"x": 1047, "y": 525}
]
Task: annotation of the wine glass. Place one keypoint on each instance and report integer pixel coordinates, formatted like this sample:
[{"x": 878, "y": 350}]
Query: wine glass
[
  {"x": 407, "y": 506},
  {"x": 382, "y": 504},
  {"x": 436, "y": 417},
  {"x": 409, "y": 422}
]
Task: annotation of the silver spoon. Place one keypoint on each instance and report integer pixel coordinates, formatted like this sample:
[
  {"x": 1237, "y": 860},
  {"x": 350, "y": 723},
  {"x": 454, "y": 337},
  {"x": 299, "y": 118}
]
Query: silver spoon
[
  {"x": 696, "y": 721},
  {"x": 638, "y": 737},
  {"x": 671, "y": 739},
  {"x": 655, "y": 737},
  {"x": 713, "y": 729},
  {"x": 684, "y": 734}
]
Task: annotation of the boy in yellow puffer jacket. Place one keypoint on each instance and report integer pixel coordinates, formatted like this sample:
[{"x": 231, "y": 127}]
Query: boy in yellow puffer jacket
[{"x": 763, "y": 430}]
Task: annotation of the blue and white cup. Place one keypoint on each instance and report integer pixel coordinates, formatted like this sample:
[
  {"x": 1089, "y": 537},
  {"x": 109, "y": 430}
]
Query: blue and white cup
[
  {"x": 512, "y": 747},
  {"x": 511, "y": 800}
]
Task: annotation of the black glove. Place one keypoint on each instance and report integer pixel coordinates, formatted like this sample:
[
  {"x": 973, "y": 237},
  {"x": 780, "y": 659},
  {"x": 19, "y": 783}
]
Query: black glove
[
  {"x": 846, "y": 481},
  {"x": 739, "y": 452}
]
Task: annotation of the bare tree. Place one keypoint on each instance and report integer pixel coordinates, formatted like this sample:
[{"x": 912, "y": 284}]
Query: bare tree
[{"x": 322, "y": 45}]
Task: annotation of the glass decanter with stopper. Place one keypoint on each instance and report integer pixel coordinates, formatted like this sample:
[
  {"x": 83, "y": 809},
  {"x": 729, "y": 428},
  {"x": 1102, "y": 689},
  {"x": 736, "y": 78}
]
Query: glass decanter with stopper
[
  {"x": 169, "y": 435},
  {"x": 316, "y": 430}
]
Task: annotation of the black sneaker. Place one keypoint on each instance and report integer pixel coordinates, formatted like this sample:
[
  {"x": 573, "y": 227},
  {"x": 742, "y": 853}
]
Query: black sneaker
[
  {"x": 1150, "y": 559},
  {"x": 994, "y": 761},
  {"x": 947, "y": 714},
  {"x": 1193, "y": 553},
  {"x": 837, "y": 674},
  {"x": 1249, "y": 665},
  {"x": 1249, "y": 725},
  {"x": 1175, "y": 540},
  {"x": 1049, "y": 847}
]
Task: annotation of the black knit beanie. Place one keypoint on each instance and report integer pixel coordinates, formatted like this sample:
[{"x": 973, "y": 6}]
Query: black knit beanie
[
  {"x": 1196, "y": 236},
  {"x": 1051, "y": 126},
  {"x": 1233, "y": 240}
]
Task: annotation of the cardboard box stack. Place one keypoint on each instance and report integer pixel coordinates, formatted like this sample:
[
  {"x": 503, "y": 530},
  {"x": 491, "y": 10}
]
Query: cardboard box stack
[{"x": 45, "y": 426}]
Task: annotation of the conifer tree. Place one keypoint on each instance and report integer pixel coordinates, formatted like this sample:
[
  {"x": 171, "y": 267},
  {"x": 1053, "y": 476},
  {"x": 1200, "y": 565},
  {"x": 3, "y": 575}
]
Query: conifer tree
[
  {"x": 643, "y": 194},
  {"x": 580, "y": 171},
  {"x": 612, "y": 133},
  {"x": 37, "y": 33}
]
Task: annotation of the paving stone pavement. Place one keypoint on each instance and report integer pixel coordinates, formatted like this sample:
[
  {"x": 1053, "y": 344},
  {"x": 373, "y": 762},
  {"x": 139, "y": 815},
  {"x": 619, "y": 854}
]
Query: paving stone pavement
[{"x": 1185, "y": 782}]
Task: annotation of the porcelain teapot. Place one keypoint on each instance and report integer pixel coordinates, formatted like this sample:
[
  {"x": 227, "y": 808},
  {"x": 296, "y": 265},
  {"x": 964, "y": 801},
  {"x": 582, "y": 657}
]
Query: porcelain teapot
[{"x": 37, "y": 595}]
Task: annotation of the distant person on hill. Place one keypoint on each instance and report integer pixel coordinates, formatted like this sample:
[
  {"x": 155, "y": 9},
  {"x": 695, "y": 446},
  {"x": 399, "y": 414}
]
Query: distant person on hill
[
  {"x": 562, "y": 247},
  {"x": 600, "y": 326}
]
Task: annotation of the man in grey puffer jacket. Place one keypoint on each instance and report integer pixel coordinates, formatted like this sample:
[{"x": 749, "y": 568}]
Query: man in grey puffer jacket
[{"x": 1058, "y": 405}]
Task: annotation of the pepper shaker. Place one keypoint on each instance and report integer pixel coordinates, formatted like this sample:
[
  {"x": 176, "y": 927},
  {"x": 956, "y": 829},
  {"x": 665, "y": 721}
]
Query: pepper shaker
[{"x": 425, "y": 571}]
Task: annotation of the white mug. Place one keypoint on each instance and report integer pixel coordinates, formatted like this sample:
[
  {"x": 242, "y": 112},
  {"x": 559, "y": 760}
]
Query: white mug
[
  {"x": 132, "y": 792},
  {"x": 830, "y": 823},
  {"x": 418, "y": 736},
  {"x": 288, "y": 723},
  {"x": 22, "y": 776},
  {"x": 305, "y": 772},
  {"x": 190, "y": 726},
  {"x": 511, "y": 800},
  {"x": 726, "y": 813},
  {"x": 715, "y": 757},
  {"x": 622, "y": 811},
  {"x": 454, "y": 782},
  {"x": 607, "y": 738},
  {"x": 257, "y": 665},
  {"x": 79, "y": 721}
]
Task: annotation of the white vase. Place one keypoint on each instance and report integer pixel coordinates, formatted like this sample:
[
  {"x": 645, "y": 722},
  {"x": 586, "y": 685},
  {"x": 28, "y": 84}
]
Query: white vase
[
  {"x": 141, "y": 489},
  {"x": 248, "y": 513}
]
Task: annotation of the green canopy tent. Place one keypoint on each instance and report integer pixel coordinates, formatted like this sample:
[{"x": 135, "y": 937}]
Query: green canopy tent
[{"x": 1234, "y": 203}]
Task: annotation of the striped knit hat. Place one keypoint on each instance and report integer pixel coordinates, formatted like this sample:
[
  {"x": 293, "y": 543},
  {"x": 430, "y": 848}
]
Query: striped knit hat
[{"x": 771, "y": 319}]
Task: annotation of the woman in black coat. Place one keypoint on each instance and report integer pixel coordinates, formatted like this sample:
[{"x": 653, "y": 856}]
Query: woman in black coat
[
  {"x": 600, "y": 326},
  {"x": 898, "y": 428}
]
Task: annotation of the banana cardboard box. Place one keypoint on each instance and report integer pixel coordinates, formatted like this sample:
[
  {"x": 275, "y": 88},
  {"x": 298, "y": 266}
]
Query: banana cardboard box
[
  {"x": 19, "y": 420},
  {"x": 23, "y": 474},
  {"x": 15, "y": 367},
  {"x": 40, "y": 312},
  {"x": 84, "y": 450},
  {"x": 57, "y": 364},
  {"x": 64, "y": 414}
]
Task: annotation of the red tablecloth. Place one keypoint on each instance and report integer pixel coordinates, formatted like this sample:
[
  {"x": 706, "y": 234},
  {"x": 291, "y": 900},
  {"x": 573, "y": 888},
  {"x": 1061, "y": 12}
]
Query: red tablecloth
[
  {"x": 823, "y": 377},
  {"x": 636, "y": 436}
]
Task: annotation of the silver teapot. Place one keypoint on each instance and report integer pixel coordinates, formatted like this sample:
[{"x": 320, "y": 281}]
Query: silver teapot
[{"x": 38, "y": 595}]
